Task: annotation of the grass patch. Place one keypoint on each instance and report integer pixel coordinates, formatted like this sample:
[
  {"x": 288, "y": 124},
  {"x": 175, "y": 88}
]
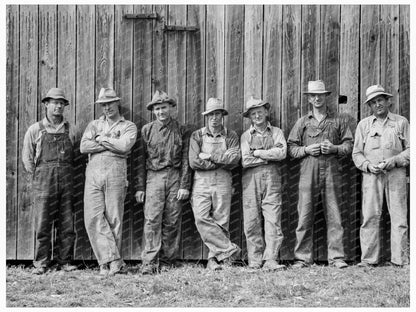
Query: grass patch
[{"x": 194, "y": 286}]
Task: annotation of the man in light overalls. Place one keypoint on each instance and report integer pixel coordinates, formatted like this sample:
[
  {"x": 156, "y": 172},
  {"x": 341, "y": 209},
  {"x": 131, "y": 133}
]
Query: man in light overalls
[
  {"x": 262, "y": 147},
  {"x": 47, "y": 156},
  {"x": 213, "y": 152},
  {"x": 382, "y": 152},
  {"x": 108, "y": 141}
]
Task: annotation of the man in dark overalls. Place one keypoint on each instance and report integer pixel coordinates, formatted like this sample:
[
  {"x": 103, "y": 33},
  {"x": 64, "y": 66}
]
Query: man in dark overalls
[{"x": 47, "y": 156}]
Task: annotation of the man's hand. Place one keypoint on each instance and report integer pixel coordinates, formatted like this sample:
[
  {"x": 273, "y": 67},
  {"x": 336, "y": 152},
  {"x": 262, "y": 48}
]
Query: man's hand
[
  {"x": 204, "y": 156},
  {"x": 256, "y": 153},
  {"x": 139, "y": 197},
  {"x": 387, "y": 164},
  {"x": 376, "y": 169},
  {"x": 182, "y": 194},
  {"x": 313, "y": 149},
  {"x": 328, "y": 148}
]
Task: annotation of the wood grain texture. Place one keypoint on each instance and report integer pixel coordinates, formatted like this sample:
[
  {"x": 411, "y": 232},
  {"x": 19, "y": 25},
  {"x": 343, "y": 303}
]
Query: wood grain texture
[{"x": 404, "y": 61}]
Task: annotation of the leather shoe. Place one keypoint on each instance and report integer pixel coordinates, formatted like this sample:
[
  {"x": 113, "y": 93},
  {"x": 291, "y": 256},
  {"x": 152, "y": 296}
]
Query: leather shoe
[
  {"x": 272, "y": 265},
  {"x": 213, "y": 265}
]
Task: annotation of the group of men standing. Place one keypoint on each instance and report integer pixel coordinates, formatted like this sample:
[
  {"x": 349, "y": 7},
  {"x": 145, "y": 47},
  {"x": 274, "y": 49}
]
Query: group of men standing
[{"x": 178, "y": 164}]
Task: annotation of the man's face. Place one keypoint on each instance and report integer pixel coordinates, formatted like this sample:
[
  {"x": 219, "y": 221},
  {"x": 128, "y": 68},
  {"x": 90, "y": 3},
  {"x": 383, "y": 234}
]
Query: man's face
[
  {"x": 380, "y": 106},
  {"x": 162, "y": 111},
  {"x": 215, "y": 118},
  {"x": 317, "y": 99},
  {"x": 55, "y": 107},
  {"x": 111, "y": 109},
  {"x": 258, "y": 115}
]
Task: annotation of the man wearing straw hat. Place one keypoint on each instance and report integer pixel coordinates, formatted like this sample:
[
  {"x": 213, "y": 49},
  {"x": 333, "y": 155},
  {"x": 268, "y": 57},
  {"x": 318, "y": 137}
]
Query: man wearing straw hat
[
  {"x": 107, "y": 141},
  {"x": 318, "y": 139},
  {"x": 165, "y": 184},
  {"x": 381, "y": 151},
  {"x": 262, "y": 147},
  {"x": 47, "y": 156},
  {"x": 213, "y": 152}
]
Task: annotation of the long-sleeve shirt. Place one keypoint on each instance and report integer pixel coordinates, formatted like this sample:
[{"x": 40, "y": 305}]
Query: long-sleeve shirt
[
  {"x": 116, "y": 140},
  {"x": 227, "y": 159},
  {"x": 308, "y": 130},
  {"x": 32, "y": 142},
  {"x": 270, "y": 146},
  {"x": 376, "y": 141},
  {"x": 164, "y": 146}
]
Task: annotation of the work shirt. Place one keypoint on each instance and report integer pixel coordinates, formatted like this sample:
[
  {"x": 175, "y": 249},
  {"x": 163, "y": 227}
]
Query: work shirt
[
  {"x": 116, "y": 139},
  {"x": 32, "y": 142},
  {"x": 376, "y": 141},
  {"x": 270, "y": 144},
  {"x": 226, "y": 160},
  {"x": 308, "y": 130},
  {"x": 165, "y": 146}
]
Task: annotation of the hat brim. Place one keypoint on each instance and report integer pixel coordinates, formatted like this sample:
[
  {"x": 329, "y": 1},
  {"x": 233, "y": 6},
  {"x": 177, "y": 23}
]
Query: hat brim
[
  {"x": 317, "y": 92},
  {"x": 55, "y": 98},
  {"x": 224, "y": 111},
  {"x": 151, "y": 104},
  {"x": 107, "y": 100},
  {"x": 247, "y": 112},
  {"x": 372, "y": 96}
]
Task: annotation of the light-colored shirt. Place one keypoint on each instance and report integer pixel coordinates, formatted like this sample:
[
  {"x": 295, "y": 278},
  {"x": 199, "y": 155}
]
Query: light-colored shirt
[
  {"x": 270, "y": 145},
  {"x": 32, "y": 142},
  {"x": 116, "y": 139},
  {"x": 376, "y": 141}
]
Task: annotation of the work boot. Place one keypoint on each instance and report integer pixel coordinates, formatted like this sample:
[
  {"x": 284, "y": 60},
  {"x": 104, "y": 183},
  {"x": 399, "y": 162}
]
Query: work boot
[
  {"x": 299, "y": 264},
  {"x": 365, "y": 265},
  {"x": 149, "y": 269},
  {"x": 39, "y": 271},
  {"x": 68, "y": 267},
  {"x": 116, "y": 266},
  {"x": 104, "y": 269},
  {"x": 339, "y": 264},
  {"x": 272, "y": 265},
  {"x": 213, "y": 265}
]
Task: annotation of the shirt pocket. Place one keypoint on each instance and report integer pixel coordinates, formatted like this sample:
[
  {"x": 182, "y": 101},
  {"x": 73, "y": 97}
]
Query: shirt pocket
[{"x": 373, "y": 140}]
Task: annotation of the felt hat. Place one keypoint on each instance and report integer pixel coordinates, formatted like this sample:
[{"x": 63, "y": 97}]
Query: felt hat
[
  {"x": 253, "y": 103},
  {"x": 214, "y": 104}
]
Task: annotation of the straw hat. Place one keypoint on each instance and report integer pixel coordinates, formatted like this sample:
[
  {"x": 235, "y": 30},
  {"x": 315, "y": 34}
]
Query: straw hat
[
  {"x": 160, "y": 97},
  {"x": 107, "y": 95},
  {"x": 316, "y": 87},
  {"x": 374, "y": 91},
  {"x": 57, "y": 94},
  {"x": 214, "y": 104},
  {"x": 253, "y": 103}
]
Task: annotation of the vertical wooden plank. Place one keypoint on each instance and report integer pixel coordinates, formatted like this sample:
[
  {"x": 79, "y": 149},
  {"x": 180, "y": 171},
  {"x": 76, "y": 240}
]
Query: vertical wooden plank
[
  {"x": 123, "y": 84},
  {"x": 84, "y": 102},
  {"x": 66, "y": 44},
  {"x": 404, "y": 62},
  {"x": 159, "y": 52},
  {"x": 253, "y": 58},
  {"x": 234, "y": 101},
  {"x": 390, "y": 49},
  {"x": 47, "y": 52},
  {"x": 66, "y": 57},
  {"x": 176, "y": 43},
  {"x": 291, "y": 106},
  {"x": 349, "y": 86},
  {"x": 195, "y": 102},
  {"x": 12, "y": 108},
  {"x": 28, "y": 99},
  {"x": 215, "y": 52},
  {"x": 370, "y": 52},
  {"x": 142, "y": 89},
  {"x": 329, "y": 52},
  {"x": 104, "y": 49},
  {"x": 311, "y": 49},
  {"x": 272, "y": 60}
]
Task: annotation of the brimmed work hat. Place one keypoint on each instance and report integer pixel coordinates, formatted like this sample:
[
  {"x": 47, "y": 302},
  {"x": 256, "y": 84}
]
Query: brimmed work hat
[
  {"x": 214, "y": 104},
  {"x": 56, "y": 94},
  {"x": 253, "y": 103},
  {"x": 374, "y": 91},
  {"x": 107, "y": 95},
  {"x": 160, "y": 97},
  {"x": 316, "y": 87}
]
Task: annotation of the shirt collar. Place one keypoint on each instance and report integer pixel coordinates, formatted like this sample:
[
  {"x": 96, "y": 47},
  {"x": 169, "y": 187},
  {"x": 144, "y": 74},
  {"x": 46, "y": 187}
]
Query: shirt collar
[
  {"x": 161, "y": 125},
  {"x": 104, "y": 118},
  {"x": 253, "y": 129},
  {"x": 390, "y": 116},
  {"x": 206, "y": 131},
  {"x": 329, "y": 113},
  {"x": 47, "y": 123}
]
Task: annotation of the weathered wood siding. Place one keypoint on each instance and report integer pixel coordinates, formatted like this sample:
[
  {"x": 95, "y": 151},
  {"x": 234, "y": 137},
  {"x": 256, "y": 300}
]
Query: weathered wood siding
[{"x": 269, "y": 51}]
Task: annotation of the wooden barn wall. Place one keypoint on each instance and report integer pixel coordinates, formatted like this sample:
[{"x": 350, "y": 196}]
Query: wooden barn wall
[{"x": 269, "y": 51}]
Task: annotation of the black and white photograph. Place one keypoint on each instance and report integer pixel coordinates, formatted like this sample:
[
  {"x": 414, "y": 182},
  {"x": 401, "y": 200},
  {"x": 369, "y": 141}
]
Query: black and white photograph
[{"x": 207, "y": 155}]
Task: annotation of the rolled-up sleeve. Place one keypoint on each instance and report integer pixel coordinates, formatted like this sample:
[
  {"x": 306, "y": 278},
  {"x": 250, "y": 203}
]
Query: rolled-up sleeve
[
  {"x": 232, "y": 155},
  {"x": 28, "y": 151},
  {"x": 279, "y": 149},
  {"x": 360, "y": 161},
  {"x": 294, "y": 141},
  {"x": 88, "y": 144},
  {"x": 195, "y": 162},
  {"x": 403, "y": 159},
  {"x": 247, "y": 158}
]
